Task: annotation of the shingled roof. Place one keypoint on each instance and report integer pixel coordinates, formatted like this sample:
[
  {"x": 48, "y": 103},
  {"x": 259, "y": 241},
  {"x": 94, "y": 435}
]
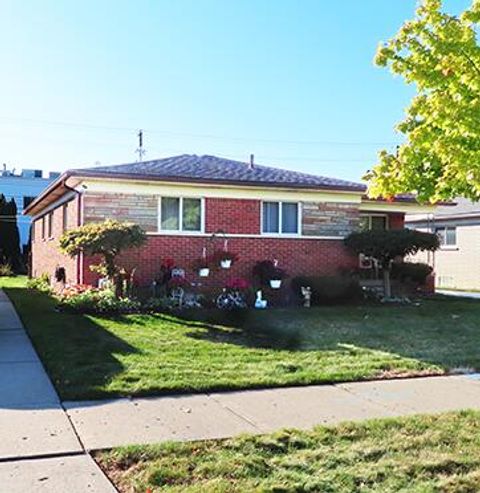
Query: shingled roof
[{"x": 211, "y": 169}]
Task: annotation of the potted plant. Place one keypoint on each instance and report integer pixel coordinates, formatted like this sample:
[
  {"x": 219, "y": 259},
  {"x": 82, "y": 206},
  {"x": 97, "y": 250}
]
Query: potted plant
[
  {"x": 202, "y": 266},
  {"x": 276, "y": 277},
  {"x": 225, "y": 258},
  {"x": 269, "y": 273}
]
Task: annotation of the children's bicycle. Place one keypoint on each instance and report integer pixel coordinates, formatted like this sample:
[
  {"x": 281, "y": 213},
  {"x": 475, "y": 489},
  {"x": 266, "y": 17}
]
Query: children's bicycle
[{"x": 230, "y": 299}]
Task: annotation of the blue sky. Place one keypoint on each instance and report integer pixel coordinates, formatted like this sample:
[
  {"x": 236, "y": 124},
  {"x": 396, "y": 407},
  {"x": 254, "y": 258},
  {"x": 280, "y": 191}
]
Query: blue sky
[{"x": 291, "y": 81}]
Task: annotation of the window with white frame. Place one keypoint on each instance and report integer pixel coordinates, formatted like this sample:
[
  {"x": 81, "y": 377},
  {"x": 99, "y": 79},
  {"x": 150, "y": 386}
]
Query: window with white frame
[
  {"x": 447, "y": 235},
  {"x": 182, "y": 214},
  {"x": 375, "y": 222},
  {"x": 280, "y": 217}
]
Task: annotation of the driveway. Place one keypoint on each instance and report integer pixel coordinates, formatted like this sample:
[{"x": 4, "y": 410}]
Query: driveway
[{"x": 459, "y": 294}]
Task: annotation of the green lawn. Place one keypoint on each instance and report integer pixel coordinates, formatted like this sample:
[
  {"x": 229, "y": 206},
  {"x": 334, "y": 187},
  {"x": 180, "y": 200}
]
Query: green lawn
[
  {"x": 92, "y": 357},
  {"x": 421, "y": 454}
]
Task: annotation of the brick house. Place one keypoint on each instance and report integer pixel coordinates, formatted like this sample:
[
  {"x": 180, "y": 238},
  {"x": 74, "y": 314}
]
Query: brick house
[{"x": 265, "y": 213}]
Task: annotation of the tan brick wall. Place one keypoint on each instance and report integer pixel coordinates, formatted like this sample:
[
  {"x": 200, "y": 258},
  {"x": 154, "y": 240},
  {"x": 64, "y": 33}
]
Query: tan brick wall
[
  {"x": 329, "y": 219},
  {"x": 46, "y": 256},
  {"x": 139, "y": 209}
]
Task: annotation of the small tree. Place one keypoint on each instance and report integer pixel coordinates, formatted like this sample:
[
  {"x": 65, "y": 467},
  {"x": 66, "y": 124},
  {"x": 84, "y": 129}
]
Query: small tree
[
  {"x": 107, "y": 239},
  {"x": 385, "y": 246}
]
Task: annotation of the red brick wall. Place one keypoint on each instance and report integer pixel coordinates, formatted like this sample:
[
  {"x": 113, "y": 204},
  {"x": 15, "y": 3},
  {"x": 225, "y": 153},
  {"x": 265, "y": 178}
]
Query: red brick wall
[
  {"x": 396, "y": 220},
  {"x": 46, "y": 256},
  {"x": 234, "y": 216},
  {"x": 297, "y": 256}
]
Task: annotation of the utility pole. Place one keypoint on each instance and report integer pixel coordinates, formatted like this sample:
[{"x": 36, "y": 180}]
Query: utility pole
[{"x": 140, "y": 150}]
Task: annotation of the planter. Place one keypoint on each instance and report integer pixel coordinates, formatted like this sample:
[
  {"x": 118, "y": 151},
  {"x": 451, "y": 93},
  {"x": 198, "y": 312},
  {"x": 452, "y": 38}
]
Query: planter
[
  {"x": 204, "y": 272},
  {"x": 226, "y": 263},
  {"x": 275, "y": 283}
]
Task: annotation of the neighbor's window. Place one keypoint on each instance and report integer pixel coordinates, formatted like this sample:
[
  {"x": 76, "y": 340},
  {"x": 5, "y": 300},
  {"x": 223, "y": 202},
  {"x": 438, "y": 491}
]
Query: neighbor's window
[
  {"x": 377, "y": 222},
  {"x": 181, "y": 214},
  {"x": 280, "y": 217},
  {"x": 447, "y": 235},
  {"x": 43, "y": 227}
]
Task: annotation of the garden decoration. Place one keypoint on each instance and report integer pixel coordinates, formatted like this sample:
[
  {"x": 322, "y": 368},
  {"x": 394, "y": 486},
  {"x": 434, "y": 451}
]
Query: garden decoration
[
  {"x": 177, "y": 286},
  {"x": 233, "y": 295},
  {"x": 259, "y": 302},
  {"x": 269, "y": 273},
  {"x": 307, "y": 296},
  {"x": 277, "y": 275},
  {"x": 222, "y": 256},
  {"x": 203, "y": 268}
]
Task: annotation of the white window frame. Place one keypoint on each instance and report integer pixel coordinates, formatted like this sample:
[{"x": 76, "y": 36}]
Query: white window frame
[
  {"x": 180, "y": 229},
  {"x": 369, "y": 216},
  {"x": 446, "y": 246},
  {"x": 280, "y": 208}
]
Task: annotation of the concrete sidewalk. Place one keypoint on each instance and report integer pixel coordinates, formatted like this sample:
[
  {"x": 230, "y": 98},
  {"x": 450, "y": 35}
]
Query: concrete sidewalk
[
  {"x": 35, "y": 431},
  {"x": 104, "y": 424}
]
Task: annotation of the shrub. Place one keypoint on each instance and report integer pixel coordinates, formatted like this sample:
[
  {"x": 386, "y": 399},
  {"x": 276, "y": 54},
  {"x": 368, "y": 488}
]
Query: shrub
[
  {"x": 96, "y": 301},
  {"x": 41, "y": 283},
  {"x": 6, "y": 270},
  {"x": 328, "y": 289},
  {"x": 415, "y": 272},
  {"x": 158, "y": 305},
  {"x": 386, "y": 246}
]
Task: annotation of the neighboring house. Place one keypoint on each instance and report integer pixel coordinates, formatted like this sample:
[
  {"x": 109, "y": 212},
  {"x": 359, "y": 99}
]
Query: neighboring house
[
  {"x": 457, "y": 262},
  {"x": 265, "y": 213},
  {"x": 24, "y": 187}
]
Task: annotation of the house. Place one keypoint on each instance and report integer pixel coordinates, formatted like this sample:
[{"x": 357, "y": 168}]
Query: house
[
  {"x": 456, "y": 263},
  {"x": 259, "y": 212},
  {"x": 23, "y": 187}
]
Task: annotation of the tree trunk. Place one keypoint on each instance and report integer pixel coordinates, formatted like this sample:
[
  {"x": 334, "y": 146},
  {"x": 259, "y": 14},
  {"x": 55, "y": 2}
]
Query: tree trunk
[{"x": 387, "y": 286}]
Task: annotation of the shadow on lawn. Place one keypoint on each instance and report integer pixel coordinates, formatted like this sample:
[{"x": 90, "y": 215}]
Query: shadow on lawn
[
  {"x": 439, "y": 331},
  {"x": 79, "y": 355}
]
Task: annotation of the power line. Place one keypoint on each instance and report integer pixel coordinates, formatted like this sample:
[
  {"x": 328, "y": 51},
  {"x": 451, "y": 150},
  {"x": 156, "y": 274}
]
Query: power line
[{"x": 195, "y": 135}]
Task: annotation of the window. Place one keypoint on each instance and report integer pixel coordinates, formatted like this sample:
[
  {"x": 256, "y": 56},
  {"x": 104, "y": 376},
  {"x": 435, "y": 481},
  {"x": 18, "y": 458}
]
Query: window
[
  {"x": 27, "y": 201},
  {"x": 181, "y": 214},
  {"x": 50, "y": 224},
  {"x": 377, "y": 222},
  {"x": 43, "y": 227},
  {"x": 64, "y": 217},
  {"x": 280, "y": 217},
  {"x": 447, "y": 235}
]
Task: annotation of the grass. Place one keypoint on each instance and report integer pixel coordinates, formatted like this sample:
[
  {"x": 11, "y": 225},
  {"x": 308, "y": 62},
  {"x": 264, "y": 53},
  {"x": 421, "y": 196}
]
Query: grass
[
  {"x": 95, "y": 357},
  {"x": 420, "y": 454}
]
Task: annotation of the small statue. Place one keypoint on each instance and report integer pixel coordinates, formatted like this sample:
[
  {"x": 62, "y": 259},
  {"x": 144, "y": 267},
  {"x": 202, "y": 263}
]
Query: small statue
[
  {"x": 307, "y": 296},
  {"x": 259, "y": 302}
]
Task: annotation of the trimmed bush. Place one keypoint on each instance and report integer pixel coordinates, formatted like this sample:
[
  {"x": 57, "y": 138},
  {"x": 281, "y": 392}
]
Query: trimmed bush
[
  {"x": 328, "y": 290},
  {"x": 415, "y": 272}
]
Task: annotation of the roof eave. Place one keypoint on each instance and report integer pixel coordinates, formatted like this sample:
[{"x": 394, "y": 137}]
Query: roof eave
[{"x": 174, "y": 179}]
